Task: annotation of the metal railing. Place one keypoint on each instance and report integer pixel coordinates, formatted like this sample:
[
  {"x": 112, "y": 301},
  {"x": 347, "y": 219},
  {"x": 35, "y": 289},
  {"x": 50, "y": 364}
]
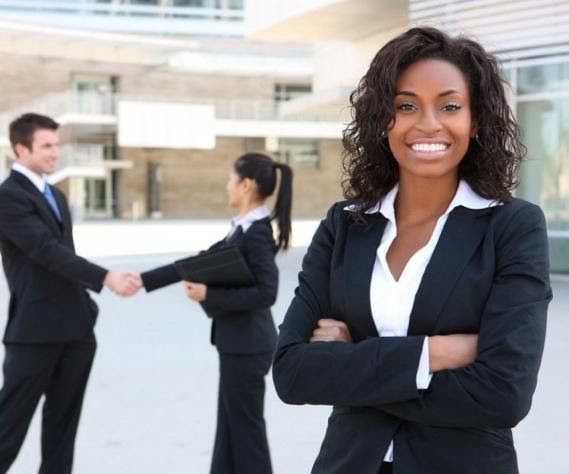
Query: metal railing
[
  {"x": 64, "y": 105},
  {"x": 81, "y": 154},
  {"x": 58, "y": 104},
  {"x": 121, "y": 9},
  {"x": 249, "y": 109}
]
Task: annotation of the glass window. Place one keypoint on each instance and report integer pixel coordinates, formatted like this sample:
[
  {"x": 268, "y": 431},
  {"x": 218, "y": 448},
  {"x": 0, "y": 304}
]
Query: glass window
[
  {"x": 298, "y": 153},
  {"x": 144, "y": 2},
  {"x": 94, "y": 93},
  {"x": 284, "y": 92},
  {"x": 95, "y": 196},
  {"x": 544, "y": 177},
  {"x": 235, "y": 4},
  {"x": 191, "y": 3},
  {"x": 543, "y": 78}
]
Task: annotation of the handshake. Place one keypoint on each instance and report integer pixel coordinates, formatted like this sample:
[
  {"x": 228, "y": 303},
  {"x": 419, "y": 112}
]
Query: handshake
[{"x": 123, "y": 283}]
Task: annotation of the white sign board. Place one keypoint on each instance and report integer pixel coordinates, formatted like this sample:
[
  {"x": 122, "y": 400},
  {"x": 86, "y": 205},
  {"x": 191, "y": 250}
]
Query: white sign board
[{"x": 165, "y": 125}]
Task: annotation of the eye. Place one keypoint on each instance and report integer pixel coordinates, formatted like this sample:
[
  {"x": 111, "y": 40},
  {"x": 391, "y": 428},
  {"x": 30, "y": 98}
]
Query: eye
[
  {"x": 452, "y": 107},
  {"x": 406, "y": 107}
]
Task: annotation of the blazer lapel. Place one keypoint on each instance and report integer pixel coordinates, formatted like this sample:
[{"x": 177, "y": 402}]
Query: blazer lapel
[
  {"x": 361, "y": 247},
  {"x": 40, "y": 200},
  {"x": 63, "y": 210},
  {"x": 235, "y": 236},
  {"x": 461, "y": 236}
]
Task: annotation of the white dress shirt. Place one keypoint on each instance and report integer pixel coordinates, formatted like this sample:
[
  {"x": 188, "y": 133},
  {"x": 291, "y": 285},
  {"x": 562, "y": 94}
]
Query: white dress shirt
[
  {"x": 37, "y": 180},
  {"x": 392, "y": 300},
  {"x": 246, "y": 220}
]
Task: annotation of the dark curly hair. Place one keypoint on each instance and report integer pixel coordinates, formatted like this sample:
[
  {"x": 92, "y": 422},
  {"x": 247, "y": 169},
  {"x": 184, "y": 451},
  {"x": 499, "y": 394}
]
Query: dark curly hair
[{"x": 492, "y": 160}]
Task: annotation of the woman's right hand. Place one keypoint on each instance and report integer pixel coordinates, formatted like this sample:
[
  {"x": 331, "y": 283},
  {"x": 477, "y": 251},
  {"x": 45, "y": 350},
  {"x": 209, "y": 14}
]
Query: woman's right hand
[
  {"x": 331, "y": 330},
  {"x": 452, "y": 351}
]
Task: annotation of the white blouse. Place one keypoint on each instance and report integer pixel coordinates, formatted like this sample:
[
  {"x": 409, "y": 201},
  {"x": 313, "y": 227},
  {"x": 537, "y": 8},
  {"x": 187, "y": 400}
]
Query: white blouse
[
  {"x": 392, "y": 300},
  {"x": 245, "y": 221}
]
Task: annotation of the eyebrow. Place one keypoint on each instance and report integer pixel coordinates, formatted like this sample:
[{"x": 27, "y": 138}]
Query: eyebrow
[{"x": 442, "y": 94}]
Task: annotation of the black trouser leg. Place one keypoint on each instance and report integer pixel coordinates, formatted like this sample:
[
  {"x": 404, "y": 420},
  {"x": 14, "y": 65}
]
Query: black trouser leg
[
  {"x": 27, "y": 371},
  {"x": 62, "y": 408},
  {"x": 242, "y": 392},
  {"x": 222, "y": 460}
]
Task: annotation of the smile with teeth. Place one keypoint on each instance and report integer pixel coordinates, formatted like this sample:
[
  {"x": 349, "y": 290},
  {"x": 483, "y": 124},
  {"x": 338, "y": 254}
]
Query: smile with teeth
[{"x": 429, "y": 147}]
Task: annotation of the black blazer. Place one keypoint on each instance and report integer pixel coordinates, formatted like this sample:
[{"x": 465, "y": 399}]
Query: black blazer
[
  {"x": 47, "y": 280},
  {"x": 488, "y": 275},
  {"x": 242, "y": 319}
]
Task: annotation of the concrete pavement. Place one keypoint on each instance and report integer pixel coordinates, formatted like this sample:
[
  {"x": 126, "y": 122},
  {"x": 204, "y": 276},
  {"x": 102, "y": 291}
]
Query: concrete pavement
[{"x": 151, "y": 401}]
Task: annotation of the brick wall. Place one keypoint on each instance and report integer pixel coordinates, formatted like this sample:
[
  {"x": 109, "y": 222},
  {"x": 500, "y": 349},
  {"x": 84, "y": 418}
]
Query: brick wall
[
  {"x": 28, "y": 78},
  {"x": 193, "y": 181}
]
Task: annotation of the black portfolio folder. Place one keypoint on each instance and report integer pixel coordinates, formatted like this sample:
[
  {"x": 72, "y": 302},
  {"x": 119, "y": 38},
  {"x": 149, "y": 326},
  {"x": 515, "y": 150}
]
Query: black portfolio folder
[{"x": 223, "y": 267}]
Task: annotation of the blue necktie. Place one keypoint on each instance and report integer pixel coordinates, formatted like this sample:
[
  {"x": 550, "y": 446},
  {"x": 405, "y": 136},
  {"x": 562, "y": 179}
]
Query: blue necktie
[{"x": 50, "y": 198}]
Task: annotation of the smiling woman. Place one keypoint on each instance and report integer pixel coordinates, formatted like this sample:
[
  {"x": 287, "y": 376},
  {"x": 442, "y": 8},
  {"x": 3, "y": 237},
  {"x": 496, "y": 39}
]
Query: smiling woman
[
  {"x": 421, "y": 306},
  {"x": 433, "y": 124}
]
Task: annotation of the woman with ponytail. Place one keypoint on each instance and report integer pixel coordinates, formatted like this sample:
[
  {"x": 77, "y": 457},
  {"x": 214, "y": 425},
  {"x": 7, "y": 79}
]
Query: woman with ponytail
[{"x": 243, "y": 330}]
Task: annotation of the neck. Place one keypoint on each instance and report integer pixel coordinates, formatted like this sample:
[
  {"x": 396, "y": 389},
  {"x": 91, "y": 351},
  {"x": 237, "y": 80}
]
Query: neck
[
  {"x": 247, "y": 207},
  {"x": 419, "y": 198}
]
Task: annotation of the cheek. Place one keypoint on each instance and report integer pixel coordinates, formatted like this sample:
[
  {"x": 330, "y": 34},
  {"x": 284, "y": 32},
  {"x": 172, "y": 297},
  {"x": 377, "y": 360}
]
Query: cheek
[
  {"x": 395, "y": 143},
  {"x": 465, "y": 133}
]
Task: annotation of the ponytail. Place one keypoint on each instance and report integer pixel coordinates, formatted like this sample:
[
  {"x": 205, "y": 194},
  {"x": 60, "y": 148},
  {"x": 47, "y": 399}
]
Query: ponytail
[
  {"x": 283, "y": 206},
  {"x": 262, "y": 170}
]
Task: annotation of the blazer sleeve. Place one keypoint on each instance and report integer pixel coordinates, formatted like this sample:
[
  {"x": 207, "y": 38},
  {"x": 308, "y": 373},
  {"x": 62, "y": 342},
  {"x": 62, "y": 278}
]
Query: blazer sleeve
[
  {"x": 165, "y": 275},
  {"x": 497, "y": 389},
  {"x": 22, "y": 226},
  {"x": 259, "y": 252},
  {"x": 367, "y": 373},
  {"x": 160, "y": 277}
]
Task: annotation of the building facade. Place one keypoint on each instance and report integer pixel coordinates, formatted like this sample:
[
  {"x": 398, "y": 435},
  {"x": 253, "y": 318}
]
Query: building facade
[
  {"x": 530, "y": 38},
  {"x": 156, "y": 99}
]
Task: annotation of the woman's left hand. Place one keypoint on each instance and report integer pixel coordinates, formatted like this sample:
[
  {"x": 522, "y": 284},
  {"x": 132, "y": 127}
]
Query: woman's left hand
[
  {"x": 331, "y": 330},
  {"x": 195, "y": 291}
]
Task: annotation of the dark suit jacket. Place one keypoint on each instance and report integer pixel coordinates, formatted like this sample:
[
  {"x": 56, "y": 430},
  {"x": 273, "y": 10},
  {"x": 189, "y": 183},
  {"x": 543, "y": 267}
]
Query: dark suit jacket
[
  {"x": 242, "y": 319},
  {"x": 488, "y": 275},
  {"x": 47, "y": 280}
]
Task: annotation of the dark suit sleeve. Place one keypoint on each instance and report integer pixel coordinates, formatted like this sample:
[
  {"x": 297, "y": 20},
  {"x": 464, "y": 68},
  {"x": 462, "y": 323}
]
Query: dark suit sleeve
[
  {"x": 166, "y": 274},
  {"x": 374, "y": 371},
  {"x": 259, "y": 252},
  {"x": 21, "y": 225},
  {"x": 496, "y": 390},
  {"x": 160, "y": 277}
]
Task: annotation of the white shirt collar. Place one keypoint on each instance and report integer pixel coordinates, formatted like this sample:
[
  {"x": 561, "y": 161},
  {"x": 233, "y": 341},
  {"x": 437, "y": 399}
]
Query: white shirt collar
[
  {"x": 256, "y": 214},
  {"x": 37, "y": 180},
  {"x": 465, "y": 196}
]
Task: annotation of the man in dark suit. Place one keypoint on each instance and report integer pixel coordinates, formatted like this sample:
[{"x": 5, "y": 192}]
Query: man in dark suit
[{"x": 49, "y": 337}]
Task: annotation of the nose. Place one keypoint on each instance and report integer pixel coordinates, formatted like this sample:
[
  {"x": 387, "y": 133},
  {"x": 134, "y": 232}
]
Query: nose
[{"x": 429, "y": 122}]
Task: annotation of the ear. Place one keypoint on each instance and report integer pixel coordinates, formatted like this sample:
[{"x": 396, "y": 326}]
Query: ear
[
  {"x": 250, "y": 187},
  {"x": 474, "y": 129},
  {"x": 21, "y": 150},
  {"x": 247, "y": 184}
]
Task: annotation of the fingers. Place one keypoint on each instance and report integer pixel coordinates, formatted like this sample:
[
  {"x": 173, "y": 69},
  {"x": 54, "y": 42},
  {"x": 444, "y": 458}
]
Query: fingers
[
  {"x": 132, "y": 283},
  {"x": 123, "y": 283},
  {"x": 195, "y": 291},
  {"x": 331, "y": 330}
]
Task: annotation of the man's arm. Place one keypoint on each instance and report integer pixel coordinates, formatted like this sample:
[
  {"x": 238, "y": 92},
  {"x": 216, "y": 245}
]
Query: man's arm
[{"x": 22, "y": 226}]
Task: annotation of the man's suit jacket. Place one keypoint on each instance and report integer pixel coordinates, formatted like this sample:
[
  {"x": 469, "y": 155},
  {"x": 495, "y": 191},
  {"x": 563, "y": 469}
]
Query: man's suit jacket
[
  {"x": 488, "y": 275},
  {"x": 242, "y": 320},
  {"x": 46, "y": 279}
]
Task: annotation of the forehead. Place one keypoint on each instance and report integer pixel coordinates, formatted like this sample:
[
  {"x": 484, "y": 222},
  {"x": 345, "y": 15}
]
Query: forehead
[
  {"x": 45, "y": 136},
  {"x": 437, "y": 74}
]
